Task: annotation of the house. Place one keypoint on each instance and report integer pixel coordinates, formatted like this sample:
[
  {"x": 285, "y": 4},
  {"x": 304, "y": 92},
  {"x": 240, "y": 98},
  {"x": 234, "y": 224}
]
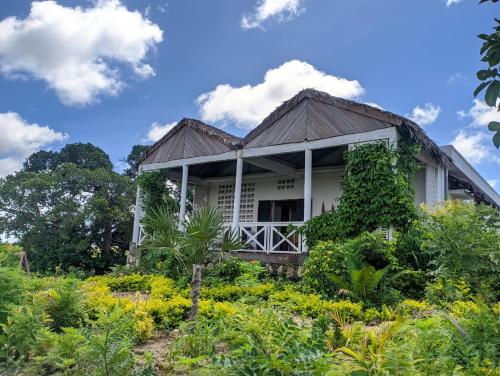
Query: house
[{"x": 289, "y": 168}]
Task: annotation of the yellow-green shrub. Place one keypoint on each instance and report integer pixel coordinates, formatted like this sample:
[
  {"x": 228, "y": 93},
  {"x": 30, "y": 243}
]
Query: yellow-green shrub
[
  {"x": 132, "y": 282},
  {"x": 371, "y": 315},
  {"x": 410, "y": 307},
  {"x": 221, "y": 293},
  {"x": 162, "y": 287},
  {"x": 143, "y": 323},
  {"x": 463, "y": 309},
  {"x": 168, "y": 312},
  {"x": 346, "y": 309}
]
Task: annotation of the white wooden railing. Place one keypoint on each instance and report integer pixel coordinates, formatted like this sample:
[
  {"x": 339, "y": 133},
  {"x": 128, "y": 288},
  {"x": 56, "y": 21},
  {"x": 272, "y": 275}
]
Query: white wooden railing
[
  {"x": 267, "y": 237},
  {"x": 142, "y": 234},
  {"x": 270, "y": 237}
]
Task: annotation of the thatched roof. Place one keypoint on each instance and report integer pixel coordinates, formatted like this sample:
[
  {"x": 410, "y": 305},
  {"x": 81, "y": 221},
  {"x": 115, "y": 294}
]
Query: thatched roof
[
  {"x": 361, "y": 116},
  {"x": 210, "y": 140},
  {"x": 309, "y": 115}
]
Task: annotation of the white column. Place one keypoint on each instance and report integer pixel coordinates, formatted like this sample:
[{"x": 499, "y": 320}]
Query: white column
[
  {"x": 307, "y": 184},
  {"x": 137, "y": 216},
  {"x": 184, "y": 186},
  {"x": 237, "y": 192}
]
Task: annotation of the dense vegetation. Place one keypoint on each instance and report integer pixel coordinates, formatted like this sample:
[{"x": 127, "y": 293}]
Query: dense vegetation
[
  {"x": 422, "y": 303},
  {"x": 427, "y": 313}
]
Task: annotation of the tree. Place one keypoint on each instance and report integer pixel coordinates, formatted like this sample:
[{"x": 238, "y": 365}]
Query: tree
[
  {"x": 204, "y": 239},
  {"x": 68, "y": 214},
  {"x": 490, "y": 51},
  {"x": 134, "y": 158}
]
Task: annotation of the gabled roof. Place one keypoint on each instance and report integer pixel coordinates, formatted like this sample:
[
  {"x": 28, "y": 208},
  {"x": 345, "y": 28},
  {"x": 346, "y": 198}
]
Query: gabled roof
[
  {"x": 312, "y": 115},
  {"x": 190, "y": 138},
  {"x": 309, "y": 115}
]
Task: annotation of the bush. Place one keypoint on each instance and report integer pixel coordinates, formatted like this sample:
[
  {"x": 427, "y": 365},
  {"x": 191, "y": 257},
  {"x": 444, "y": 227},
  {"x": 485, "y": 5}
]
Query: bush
[
  {"x": 13, "y": 285},
  {"x": 464, "y": 242},
  {"x": 329, "y": 258},
  {"x": 322, "y": 228},
  {"x": 64, "y": 303},
  {"x": 9, "y": 256},
  {"x": 125, "y": 283},
  {"x": 411, "y": 283}
]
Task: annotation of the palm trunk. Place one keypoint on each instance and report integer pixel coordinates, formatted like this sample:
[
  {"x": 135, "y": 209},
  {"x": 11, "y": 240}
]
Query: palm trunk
[{"x": 195, "y": 290}]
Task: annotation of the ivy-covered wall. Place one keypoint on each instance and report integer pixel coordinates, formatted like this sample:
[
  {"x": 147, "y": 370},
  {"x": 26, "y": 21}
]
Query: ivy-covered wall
[{"x": 376, "y": 191}]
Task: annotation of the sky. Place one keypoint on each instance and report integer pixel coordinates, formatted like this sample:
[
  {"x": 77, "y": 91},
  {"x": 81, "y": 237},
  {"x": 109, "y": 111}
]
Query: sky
[{"x": 117, "y": 73}]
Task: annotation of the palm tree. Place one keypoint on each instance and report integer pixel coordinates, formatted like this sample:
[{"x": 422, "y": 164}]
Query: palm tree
[{"x": 204, "y": 239}]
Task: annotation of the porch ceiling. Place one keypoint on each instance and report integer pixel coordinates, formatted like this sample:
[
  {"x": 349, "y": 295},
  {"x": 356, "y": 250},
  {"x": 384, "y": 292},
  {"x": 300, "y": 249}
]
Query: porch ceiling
[{"x": 320, "y": 158}]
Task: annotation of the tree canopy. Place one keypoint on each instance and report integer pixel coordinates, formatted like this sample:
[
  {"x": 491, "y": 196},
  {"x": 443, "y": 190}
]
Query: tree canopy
[{"x": 68, "y": 209}]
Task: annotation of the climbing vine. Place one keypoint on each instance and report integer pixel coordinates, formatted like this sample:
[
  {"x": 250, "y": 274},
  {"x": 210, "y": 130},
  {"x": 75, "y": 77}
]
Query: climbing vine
[
  {"x": 377, "y": 191},
  {"x": 156, "y": 192}
]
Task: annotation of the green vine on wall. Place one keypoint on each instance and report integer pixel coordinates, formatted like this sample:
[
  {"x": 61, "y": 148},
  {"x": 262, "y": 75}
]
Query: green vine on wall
[
  {"x": 156, "y": 192},
  {"x": 376, "y": 191}
]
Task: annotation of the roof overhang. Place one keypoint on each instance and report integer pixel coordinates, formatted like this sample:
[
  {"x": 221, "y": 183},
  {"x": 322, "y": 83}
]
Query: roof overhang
[{"x": 462, "y": 170}]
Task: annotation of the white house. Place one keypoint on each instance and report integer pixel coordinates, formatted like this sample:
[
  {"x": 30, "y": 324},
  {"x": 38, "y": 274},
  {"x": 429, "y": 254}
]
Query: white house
[{"x": 289, "y": 168}]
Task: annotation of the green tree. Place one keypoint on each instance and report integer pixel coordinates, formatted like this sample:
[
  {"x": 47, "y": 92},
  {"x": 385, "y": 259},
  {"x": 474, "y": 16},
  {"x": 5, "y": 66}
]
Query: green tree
[
  {"x": 134, "y": 158},
  {"x": 490, "y": 52},
  {"x": 68, "y": 214}
]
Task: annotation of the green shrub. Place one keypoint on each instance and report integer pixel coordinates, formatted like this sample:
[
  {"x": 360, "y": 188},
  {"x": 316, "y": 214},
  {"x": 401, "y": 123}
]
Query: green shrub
[
  {"x": 411, "y": 283},
  {"x": 13, "y": 286},
  {"x": 329, "y": 258},
  {"x": 65, "y": 304},
  {"x": 322, "y": 228},
  {"x": 20, "y": 332},
  {"x": 9, "y": 255},
  {"x": 463, "y": 241},
  {"x": 224, "y": 271}
]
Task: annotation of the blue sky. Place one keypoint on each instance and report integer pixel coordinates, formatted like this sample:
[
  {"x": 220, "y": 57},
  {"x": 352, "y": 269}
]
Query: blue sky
[{"x": 119, "y": 73}]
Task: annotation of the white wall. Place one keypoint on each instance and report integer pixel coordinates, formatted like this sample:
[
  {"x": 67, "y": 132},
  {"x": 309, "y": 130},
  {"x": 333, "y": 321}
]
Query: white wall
[
  {"x": 419, "y": 186},
  {"x": 325, "y": 189}
]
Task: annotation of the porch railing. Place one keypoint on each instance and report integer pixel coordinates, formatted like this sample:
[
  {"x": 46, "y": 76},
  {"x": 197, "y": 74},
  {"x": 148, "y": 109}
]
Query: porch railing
[
  {"x": 271, "y": 237},
  {"x": 267, "y": 237}
]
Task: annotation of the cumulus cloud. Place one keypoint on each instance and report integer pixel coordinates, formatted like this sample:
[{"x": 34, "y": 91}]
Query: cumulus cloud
[
  {"x": 480, "y": 113},
  {"x": 474, "y": 140},
  {"x": 449, "y": 3},
  {"x": 373, "y": 104},
  {"x": 158, "y": 130},
  {"x": 493, "y": 182},
  {"x": 20, "y": 139},
  {"x": 475, "y": 146},
  {"x": 79, "y": 52},
  {"x": 247, "y": 105},
  {"x": 425, "y": 115},
  {"x": 280, "y": 10}
]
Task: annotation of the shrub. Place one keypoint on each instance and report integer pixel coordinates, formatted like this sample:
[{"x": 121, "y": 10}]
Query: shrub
[
  {"x": 328, "y": 258},
  {"x": 125, "y": 283},
  {"x": 9, "y": 256},
  {"x": 464, "y": 242},
  {"x": 20, "y": 331},
  {"x": 411, "y": 283},
  {"x": 224, "y": 271},
  {"x": 168, "y": 312},
  {"x": 13, "y": 285},
  {"x": 417, "y": 308},
  {"x": 162, "y": 287},
  {"x": 323, "y": 259},
  {"x": 64, "y": 303},
  {"x": 322, "y": 228}
]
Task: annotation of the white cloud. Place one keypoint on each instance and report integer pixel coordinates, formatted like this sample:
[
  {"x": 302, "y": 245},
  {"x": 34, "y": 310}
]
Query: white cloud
[
  {"x": 475, "y": 146},
  {"x": 425, "y": 115},
  {"x": 78, "y": 51},
  {"x": 281, "y": 10},
  {"x": 449, "y": 3},
  {"x": 158, "y": 130},
  {"x": 458, "y": 79},
  {"x": 20, "y": 139},
  {"x": 248, "y": 105},
  {"x": 493, "y": 182},
  {"x": 480, "y": 113}
]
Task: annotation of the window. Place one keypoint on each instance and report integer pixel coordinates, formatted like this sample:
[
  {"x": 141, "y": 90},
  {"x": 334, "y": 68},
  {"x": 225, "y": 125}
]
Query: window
[{"x": 285, "y": 184}]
